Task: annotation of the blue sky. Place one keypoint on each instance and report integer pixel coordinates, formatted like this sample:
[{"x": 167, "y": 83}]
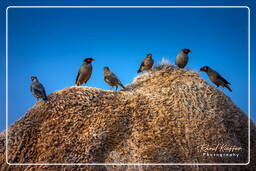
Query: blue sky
[{"x": 51, "y": 44}]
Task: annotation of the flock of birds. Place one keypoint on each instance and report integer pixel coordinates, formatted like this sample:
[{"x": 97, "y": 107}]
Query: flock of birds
[{"x": 85, "y": 72}]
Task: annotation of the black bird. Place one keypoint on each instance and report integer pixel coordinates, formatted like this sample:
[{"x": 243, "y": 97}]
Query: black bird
[
  {"x": 84, "y": 72},
  {"x": 146, "y": 64},
  {"x": 111, "y": 78},
  {"x": 216, "y": 78},
  {"x": 182, "y": 58},
  {"x": 37, "y": 89}
]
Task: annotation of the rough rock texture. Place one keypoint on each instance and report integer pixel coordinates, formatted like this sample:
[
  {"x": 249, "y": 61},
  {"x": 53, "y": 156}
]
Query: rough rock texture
[{"x": 164, "y": 116}]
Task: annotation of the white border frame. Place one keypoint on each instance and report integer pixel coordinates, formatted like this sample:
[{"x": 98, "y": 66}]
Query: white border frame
[{"x": 134, "y": 164}]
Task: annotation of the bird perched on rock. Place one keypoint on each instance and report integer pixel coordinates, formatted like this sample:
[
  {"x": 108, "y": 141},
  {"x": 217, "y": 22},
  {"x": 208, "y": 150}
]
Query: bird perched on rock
[
  {"x": 111, "y": 78},
  {"x": 146, "y": 64},
  {"x": 216, "y": 78},
  {"x": 84, "y": 72},
  {"x": 37, "y": 89},
  {"x": 182, "y": 58}
]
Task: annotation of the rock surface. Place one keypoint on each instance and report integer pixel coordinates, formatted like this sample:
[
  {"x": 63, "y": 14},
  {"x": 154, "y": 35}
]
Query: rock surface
[{"x": 165, "y": 116}]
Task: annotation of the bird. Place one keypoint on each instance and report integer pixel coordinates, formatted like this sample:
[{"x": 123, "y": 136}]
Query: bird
[
  {"x": 111, "y": 78},
  {"x": 216, "y": 78},
  {"x": 182, "y": 58},
  {"x": 146, "y": 64},
  {"x": 84, "y": 72},
  {"x": 37, "y": 89}
]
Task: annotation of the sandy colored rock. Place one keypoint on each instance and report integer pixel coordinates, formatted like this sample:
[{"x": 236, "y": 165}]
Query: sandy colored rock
[{"x": 164, "y": 116}]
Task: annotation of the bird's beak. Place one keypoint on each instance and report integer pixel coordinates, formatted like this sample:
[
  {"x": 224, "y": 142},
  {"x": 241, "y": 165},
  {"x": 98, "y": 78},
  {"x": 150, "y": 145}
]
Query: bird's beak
[
  {"x": 190, "y": 51},
  {"x": 93, "y": 60},
  {"x": 199, "y": 71}
]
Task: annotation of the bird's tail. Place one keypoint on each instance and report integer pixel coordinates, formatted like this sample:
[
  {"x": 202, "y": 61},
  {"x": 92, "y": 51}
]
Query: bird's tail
[
  {"x": 45, "y": 98},
  {"x": 122, "y": 85},
  {"x": 227, "y": 86},
  {"x": 139, "y": 71}
]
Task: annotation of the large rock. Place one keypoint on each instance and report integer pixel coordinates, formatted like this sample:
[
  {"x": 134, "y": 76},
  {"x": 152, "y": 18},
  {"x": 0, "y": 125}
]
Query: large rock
[{"x": 169, "y": 115}]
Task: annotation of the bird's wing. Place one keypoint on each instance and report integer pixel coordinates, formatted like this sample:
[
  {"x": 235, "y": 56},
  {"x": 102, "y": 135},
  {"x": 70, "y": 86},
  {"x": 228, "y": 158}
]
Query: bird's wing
[
  {"x": 78, "y": 75},
  {"x": 111, "y": 78},
  {"x": 222, "y": 79},
  {"x": 115, "y": 78},
  {"x": 177, "y": 58},
  {"x": 39, "y": 89},
  {"x": 44, "y": 93},
  {"x": 142, "y": 63},
  {"x": 106, "y": 78},
  {"x": 84, "y": 73}
]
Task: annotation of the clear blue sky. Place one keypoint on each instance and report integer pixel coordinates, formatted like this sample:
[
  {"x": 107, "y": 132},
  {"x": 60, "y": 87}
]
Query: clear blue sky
[{"x": 51, "y": 44}]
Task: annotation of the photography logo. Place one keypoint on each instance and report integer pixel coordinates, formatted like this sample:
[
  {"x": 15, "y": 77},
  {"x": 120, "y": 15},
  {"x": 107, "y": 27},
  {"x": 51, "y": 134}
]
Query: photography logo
[{"x": 220, "y": 150}]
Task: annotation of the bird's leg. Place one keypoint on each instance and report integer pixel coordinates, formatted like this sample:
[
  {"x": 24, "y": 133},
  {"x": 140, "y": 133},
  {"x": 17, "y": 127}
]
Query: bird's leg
[
  {"x": 116, "y": 87},
  {"x": 222, "y": 89}
]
